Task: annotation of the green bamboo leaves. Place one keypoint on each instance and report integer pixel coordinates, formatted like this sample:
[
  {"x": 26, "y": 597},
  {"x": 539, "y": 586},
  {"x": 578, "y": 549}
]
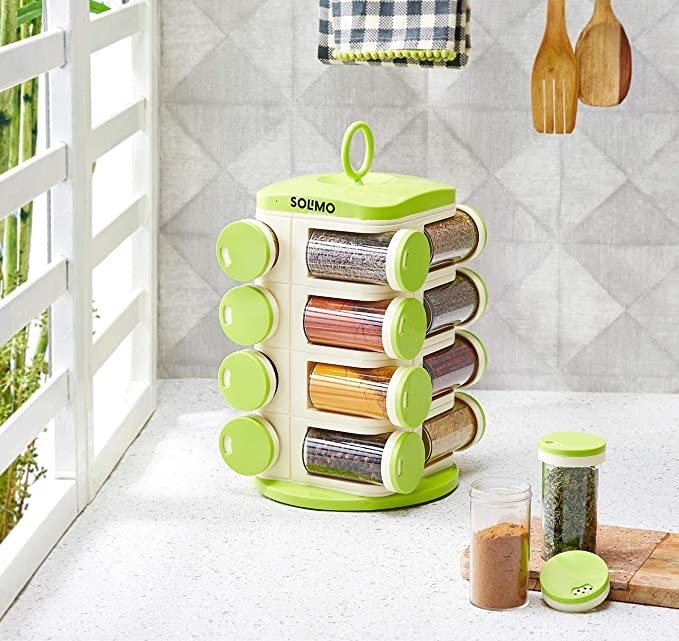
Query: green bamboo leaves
[{"x": 32, "y": 10}]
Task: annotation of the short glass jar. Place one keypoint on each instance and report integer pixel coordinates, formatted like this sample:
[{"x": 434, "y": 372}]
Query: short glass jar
[
  {"x": 454, "y": 430},
  {"x": 457, "y": 303},
  {"x": 396, "y": 326},
  {"x": 462, "y": 364},
  {"x": 401, "y": 395},
  {"x": 393, "y": 459},
  {"x": 398, "y": 259},
  {"x": 570, "y": 486},
  {"x": 457, "y": 239},
  {"x": 499, "y": 554}
]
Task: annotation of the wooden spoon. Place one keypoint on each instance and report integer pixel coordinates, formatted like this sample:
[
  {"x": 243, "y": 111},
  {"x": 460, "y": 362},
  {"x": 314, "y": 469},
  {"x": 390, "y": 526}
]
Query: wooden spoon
[
  {"x": 605, "y": 58},
  {"x": 555, "y": 83}
]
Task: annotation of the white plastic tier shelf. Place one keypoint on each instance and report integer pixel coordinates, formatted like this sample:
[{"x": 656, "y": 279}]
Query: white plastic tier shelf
[{"x": 176, "y": 546}]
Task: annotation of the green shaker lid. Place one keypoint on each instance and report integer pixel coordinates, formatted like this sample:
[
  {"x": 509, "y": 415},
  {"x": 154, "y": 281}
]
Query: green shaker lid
[
  {"x": 247, "y": 380},
  {"x": 246, "y": 249},
  {"x": 408, "y": 259},
  {"x": 404, "y": 454},
  {"x": 574, "y": 581},
  {"x": 572, "y": 449},
  {"x": 409, "y": 396},
  {"x": 404, "y": 328},
  {"x": 248, "y": 314},
  {"x": 356, "y": 193},
  {"x": 248, "y": 445}
]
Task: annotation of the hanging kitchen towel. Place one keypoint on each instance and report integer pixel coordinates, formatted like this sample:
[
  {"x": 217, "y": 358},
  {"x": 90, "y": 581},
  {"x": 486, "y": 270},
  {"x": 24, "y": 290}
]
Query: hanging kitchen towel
[{"x": 430, "y": 33}]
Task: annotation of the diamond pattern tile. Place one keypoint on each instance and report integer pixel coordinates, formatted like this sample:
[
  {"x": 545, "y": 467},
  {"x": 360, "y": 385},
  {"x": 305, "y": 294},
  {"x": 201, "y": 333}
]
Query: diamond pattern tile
[
  {"x": 187, "y": 36},
  {"x": 583, "y": 260},
  {"x": 531, "y": 308}
]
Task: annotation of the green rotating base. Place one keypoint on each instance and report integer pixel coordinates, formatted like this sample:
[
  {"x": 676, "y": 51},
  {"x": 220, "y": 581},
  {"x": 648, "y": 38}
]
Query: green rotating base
[{"x": 433, "y": 487}]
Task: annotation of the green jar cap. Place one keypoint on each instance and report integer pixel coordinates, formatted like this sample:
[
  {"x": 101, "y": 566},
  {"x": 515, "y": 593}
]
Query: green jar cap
[
  {"x": 246, "y": 249},
  {"x": 248, "y": 314},
  {"x": 408, "y": 258},
  {"x": 247, "y": 380},
  {"x": 409, "y": 396},
  {"x": 404, "y": 328},
  {"x": 405, "y": 455},
  {"x": 574, "y": 581},
  {"x": 248, "y": 445},
  {"x": 572, "y": 449}
]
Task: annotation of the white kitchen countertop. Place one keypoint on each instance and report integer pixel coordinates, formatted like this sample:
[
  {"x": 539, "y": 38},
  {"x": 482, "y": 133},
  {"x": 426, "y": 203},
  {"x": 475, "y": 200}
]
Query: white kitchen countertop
[{"x": 176, "y": 546}]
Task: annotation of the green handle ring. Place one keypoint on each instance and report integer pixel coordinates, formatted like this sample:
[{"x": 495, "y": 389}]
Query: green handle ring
[{"x": 369, "y": 150}]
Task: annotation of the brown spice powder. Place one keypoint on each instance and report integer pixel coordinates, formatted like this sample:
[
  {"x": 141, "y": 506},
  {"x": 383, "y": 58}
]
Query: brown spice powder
[{"x": 499, "y": 566}]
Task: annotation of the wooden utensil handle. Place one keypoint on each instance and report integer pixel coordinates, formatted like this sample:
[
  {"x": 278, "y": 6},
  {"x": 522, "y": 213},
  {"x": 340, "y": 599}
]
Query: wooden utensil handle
[{"x": 556, "y": 14}]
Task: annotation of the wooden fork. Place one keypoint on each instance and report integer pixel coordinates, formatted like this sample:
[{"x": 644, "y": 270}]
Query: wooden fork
[{"x": 555, "y": 82}]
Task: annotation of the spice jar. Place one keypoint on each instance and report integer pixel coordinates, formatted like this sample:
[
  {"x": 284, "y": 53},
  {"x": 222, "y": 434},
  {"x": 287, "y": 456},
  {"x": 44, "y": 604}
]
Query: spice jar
[
  {"x": 460, "y": 365},
  {"x": 247, "y": 380},
  {"x": 394, "y": 459},
  {"x": 248, "y": 314},
  {"x": 499, "y": 554},
  {"x": 249, "y": 445},
  {"x": 246, "y": 249},
  {"x": 400, "y": 394},
  {"x": 455, "y": 430},
  {"x": 399, "y": 259},
  {"x": 395, "y": 327},
  {"x": 458, "y": 238},
  {"x": 455, "y": 304},
  {"x": 570, "y": 480}
]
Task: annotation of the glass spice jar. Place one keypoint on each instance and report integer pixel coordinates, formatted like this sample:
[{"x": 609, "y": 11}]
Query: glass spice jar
[
  {"x": 399, "y": 259},
  {"x": 456, "y": 239},
  {"x": 455, "y": 304},
  {"x": 499, "y": 554},
  {"x": 454, "y": 430},
  {"x": 570, "y": 480},
  {"x": 460, "y": 365},
  {"x": 395, "y": 326},
  {"x": 394, "y": 459},
  {"x": 246, "y": 249},
  {"x": 400, "y": 394}
]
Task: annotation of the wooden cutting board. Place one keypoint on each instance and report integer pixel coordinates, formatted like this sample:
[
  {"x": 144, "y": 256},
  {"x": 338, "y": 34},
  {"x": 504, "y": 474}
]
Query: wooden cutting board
[{"x": 643, "y": 564}]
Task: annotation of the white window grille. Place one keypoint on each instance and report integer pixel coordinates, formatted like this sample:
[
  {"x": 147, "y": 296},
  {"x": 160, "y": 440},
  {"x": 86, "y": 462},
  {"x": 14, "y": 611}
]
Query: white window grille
[{"x": 65, "y": 286}]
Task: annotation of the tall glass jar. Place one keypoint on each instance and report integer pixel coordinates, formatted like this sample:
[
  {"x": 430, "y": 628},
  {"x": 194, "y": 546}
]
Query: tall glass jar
[
  {"x": 570, "y": 484},
  {"x": 499, "y": 554}
]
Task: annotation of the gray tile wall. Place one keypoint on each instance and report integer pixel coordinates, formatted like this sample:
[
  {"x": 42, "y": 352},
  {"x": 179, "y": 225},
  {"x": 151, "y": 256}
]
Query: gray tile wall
[{"x": 583, "y": 262}]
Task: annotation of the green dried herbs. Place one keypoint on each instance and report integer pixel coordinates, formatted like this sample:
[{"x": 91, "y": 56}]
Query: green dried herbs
[{"x": 569, "y": 509}]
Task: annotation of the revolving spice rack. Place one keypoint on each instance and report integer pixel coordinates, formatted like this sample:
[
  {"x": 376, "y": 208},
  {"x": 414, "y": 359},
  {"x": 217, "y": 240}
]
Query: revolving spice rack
[{"x": 357, "y": 325}]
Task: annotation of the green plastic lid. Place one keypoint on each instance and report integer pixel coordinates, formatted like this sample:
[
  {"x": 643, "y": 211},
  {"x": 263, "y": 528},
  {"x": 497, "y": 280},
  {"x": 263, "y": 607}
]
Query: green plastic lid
[
  {"x": 356, "y": 193},
  {"x": 408, "y": 258},
  {"x": 574, "y": 581},
  {"x": 582, "y": 448},
  {"x": 406, "y": 462},
  {"x": 247, "y": 380},
  {"x": 409, "y": 396},
  {"x": 248, "y": 314},
  {"x": 248, "y": 445},
  {"x": 404, "y": 329},
  {"x": 246, "y": 249}
]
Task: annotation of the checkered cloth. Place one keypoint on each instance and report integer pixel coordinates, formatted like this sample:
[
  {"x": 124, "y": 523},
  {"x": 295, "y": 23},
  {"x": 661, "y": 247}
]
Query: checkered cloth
[{"x": 429, "y": 33}]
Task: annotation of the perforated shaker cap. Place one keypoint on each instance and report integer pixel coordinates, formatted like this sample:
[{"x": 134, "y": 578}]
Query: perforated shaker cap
[{"x": 575, "y": 581}]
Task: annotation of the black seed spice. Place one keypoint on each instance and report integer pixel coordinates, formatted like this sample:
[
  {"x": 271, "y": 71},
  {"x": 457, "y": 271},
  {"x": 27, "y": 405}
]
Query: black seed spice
[
  {"x": 452, "y": 239},
  {"x": 569, "y": 509},
  {"x": 451, "y": 304},
  {"x": 360, "y": 258},
  {"x": 340, "y": 455}
]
